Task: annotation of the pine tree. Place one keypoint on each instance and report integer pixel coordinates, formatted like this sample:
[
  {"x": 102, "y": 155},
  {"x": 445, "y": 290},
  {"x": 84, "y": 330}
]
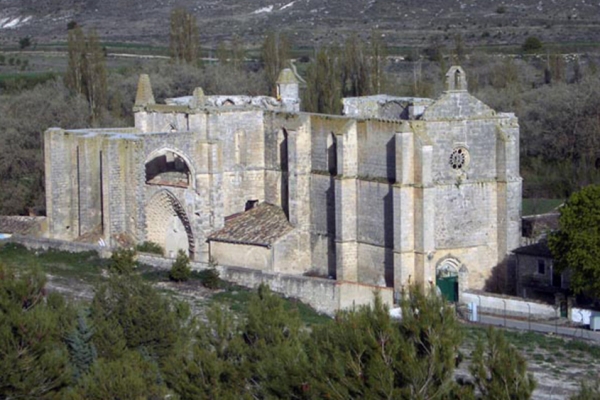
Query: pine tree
[
  {"x": 81, "y": 349},
  {"x": 131, "y": 376},
  {"x": 34, "y": 361},
  {"x": 365, "y": 354},
  {"x": 499, "y": 370},
  {"x": 181, "y": 270},
  {"x": 129, "y": 313}
]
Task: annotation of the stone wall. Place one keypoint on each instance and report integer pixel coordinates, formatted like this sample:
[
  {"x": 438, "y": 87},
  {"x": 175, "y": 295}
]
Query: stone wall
[
  {"x": 37, "y": 243},
  {"x": 259, "y": 258},
  {"x": 513, "y": 306}
]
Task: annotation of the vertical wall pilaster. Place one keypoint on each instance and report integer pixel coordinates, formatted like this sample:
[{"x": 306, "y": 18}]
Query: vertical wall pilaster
[
  {"x": 346, "y": 205},
  {"x": 300, "y": 168},
  {"x": 425, "y": 219},
  {"x": 404, "y": 216}
]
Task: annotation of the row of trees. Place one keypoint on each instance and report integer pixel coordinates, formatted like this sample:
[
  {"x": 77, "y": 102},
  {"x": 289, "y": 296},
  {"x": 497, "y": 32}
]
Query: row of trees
[
  {"x": 555, "y": 101},
  {"x": 133, "y": 342},
  {"x": 355, "y": 69}
]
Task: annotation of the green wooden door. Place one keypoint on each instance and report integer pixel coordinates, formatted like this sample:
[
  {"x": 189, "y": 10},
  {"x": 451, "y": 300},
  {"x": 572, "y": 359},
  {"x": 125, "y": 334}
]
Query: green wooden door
[{"x": 449, "y": 288}]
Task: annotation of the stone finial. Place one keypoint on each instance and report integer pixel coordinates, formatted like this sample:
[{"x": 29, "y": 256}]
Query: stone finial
[
  {"x": 456, "y": 79},
  {"x": 287, "y": 77},
  {"x": 144, "y": 95},
  {"x": 198, "y": 99}
]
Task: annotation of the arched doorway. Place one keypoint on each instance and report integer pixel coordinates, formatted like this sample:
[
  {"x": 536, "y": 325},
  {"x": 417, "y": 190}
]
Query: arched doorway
[
  {"x": 447, "y": 278},
  {"x": 167, "y": 224}
]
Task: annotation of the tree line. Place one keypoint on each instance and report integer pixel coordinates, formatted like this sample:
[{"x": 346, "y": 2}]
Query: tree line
[
  {"x": 131, "y": 341},
  {"x": 556, "y": 101}
]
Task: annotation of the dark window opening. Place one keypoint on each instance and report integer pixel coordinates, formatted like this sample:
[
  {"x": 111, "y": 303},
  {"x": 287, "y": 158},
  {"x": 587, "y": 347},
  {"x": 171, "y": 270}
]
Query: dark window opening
[
  {"x": 168, "y": 169},
  {"x": 332, "y": 154},
  {"x": 541, "y": 267},
  {"x": 250, "y": 204}
]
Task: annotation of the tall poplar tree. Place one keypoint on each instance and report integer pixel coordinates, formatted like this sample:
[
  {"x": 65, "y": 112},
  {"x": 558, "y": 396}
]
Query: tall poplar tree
[
  {"x": 323, "y": 93},
  {"x": 275, "y": 52},
  {"x": 86, "y": 71},
  {"x": 183, "y": 37}
]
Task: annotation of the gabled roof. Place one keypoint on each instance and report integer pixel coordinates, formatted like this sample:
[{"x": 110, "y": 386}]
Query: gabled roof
[
  {"x": 262, "y": 225},
  {"x": 539, "y": 249},
  {"x": 457, "y": 105}
]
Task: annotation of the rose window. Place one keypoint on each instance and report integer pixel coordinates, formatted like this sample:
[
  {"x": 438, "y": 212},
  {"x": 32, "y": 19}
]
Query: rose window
[{"x": 459, "y": 158}]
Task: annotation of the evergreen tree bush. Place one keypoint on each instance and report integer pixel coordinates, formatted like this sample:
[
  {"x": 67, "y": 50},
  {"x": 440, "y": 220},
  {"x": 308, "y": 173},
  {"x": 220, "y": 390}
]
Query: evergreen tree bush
[
  {"x": 122, "y": 261},
  {"x": 180, "y": 270}
]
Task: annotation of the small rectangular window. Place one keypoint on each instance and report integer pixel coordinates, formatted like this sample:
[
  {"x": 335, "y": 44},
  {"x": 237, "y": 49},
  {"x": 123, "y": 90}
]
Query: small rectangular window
[{"x": 541, "y": 267}]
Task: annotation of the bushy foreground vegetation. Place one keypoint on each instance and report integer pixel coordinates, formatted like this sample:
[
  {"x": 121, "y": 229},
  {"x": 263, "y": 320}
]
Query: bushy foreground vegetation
[{"x": 133, "y": 341}]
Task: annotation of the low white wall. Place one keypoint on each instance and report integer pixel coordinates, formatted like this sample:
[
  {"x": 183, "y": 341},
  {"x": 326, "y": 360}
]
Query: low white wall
[
  {"x": 321, "y": 294},
  {"x": 352, "y": 294},
  {"x": 582, "y": 315},
  {"x": 39, "y": 243},
  {"x": 514, "y": 306}
]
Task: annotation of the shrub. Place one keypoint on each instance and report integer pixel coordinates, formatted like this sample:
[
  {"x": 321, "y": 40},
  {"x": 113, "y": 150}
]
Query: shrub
[
  {"x": 500, "y": 10},
  {"x": 532, "y": 43},
  {"x": 150, "y": 247},
  {"x": 180, "y": 270},
  {"x": 122, "y": 261},
  {"x": 24, "y": 42},
  {"x": 210, "y": 278}
]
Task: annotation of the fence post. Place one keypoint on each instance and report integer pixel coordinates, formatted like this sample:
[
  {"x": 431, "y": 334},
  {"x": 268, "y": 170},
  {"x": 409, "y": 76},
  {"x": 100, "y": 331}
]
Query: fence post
[
  {"x": 504, "y": 300},
  {"x": 529, "y": 315}
]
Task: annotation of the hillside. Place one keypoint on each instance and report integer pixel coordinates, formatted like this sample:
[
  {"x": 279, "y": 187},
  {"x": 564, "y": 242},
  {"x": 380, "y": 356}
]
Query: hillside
[{"x": 405, "y": 23}]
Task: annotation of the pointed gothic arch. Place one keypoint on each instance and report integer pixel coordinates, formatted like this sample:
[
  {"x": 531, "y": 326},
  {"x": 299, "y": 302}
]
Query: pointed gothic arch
[{"x": 168, "y": 225}]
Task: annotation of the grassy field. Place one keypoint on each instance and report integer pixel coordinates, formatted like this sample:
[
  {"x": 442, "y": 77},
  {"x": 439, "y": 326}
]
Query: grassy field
[
  {"x": 71, "y": 269},
  {"x": 540, "y": 206}
]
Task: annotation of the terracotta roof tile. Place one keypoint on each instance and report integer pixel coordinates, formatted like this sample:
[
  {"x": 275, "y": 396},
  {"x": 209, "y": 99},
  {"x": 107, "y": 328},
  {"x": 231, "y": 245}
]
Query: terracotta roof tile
[{"x": 263, "y": 225}]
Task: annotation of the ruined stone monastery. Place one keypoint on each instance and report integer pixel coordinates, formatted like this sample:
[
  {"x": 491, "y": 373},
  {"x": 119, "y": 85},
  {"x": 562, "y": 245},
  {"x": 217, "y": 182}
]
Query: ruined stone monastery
[{"x": 394, "y": 192}]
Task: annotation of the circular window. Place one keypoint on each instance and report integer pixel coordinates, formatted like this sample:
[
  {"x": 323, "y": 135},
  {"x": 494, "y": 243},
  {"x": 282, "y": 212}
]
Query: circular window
[{"x": 459, "y": 158}]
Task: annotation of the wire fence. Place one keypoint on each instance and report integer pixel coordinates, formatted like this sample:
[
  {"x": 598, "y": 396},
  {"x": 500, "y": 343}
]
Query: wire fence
[{"x": 528, "y": 322}]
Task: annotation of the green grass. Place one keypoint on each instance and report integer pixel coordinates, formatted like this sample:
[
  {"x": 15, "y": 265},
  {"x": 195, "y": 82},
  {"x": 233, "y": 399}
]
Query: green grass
[
  {"x": 237, "y": 299},
  {"x": 24, "y": 80},
  {"x": 86, "y": 265},
  {"x": 540, "y": 206}
]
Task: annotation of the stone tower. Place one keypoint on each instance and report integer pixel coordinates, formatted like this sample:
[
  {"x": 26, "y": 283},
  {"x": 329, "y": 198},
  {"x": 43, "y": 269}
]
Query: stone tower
[{"x": 288, "y": 90}]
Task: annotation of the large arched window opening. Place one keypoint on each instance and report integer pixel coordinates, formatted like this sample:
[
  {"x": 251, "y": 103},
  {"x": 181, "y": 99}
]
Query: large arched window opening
[{"x": 168, "y": 168}]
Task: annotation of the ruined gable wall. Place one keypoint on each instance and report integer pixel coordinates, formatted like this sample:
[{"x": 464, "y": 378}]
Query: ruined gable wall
[
  {"x": 203, "y": 200},
  {"x": 242, "y": 134}
]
